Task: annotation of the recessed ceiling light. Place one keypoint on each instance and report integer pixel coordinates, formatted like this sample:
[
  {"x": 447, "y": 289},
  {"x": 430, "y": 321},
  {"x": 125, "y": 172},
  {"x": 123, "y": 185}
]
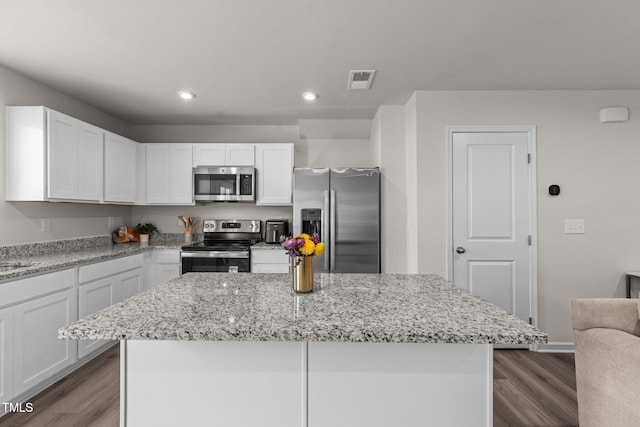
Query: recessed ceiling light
[
  {"x": 310, "y": 96},
  {"x": 186, "y": 95}
]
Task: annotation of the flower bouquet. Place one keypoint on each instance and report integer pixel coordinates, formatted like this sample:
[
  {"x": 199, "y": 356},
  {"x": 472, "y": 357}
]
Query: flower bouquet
[
  {"x": 304, "y": 245},
  {"x": 302, "y": 248}
]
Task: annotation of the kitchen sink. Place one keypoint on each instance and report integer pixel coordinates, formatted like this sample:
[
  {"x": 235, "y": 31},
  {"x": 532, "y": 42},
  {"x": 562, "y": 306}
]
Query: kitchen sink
[{"x": 12, "y": 265}]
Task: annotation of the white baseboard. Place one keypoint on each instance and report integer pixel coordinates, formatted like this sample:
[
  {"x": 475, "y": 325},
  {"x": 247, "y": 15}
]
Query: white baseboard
[{"x": 557, "y": 347}]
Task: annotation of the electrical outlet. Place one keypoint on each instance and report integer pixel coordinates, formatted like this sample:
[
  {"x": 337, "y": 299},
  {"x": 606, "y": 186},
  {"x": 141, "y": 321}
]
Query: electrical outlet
[
  {"x": 574, "y": 226},
  {"x": 111, "y": 221},
  {"x": 45, "y": 225}
]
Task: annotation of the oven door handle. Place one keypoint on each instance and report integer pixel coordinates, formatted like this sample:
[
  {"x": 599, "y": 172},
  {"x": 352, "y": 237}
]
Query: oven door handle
[{"x": 215, "y": 254}]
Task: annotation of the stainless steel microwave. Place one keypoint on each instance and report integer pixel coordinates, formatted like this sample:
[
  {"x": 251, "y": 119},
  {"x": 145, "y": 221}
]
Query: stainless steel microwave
[{"x": 224, "y": 184}]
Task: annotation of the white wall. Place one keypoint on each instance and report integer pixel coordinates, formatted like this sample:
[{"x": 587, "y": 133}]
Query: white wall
[
  {"x": 412, "y": 183},
  {"x": 317, "y": 143},
  {"x": 20, "y": 221},
  {"x": 206, "y": 133},
  {"x": 335, "y": 143},
  {"x": 595, "y": 164},
  {"x": 388, "y": 136},
  {"x": 166, "y": 217}
]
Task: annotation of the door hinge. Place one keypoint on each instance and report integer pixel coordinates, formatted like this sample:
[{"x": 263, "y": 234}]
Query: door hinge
[
  {"x": 528, "y": 157},
  {"x": 531, "y": 320},
  {"x": 529, "y": 239}
]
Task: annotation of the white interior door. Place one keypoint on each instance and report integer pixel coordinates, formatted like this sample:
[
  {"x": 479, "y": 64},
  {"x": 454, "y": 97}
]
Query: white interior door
[{"x": 491, "y": 218}]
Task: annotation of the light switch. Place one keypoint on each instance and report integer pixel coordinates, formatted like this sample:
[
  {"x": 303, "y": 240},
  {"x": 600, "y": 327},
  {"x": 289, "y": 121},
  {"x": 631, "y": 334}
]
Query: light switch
[
  {"x": 574, "y": 226},
  {"x": 45, "y": 225},
  {"x": 111, "y": 221}
]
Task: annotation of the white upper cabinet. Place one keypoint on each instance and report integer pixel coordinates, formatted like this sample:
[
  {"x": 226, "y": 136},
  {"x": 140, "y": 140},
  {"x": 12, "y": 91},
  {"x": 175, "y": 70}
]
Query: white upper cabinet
[
  {"x": 181, "y": 174},
  {"x": 223, "y": 155},
  {"x": 209, "y": 155},
  {"x": 119, "y": 169},
  {"x": 274, "y": 167},
  {"x": 51, "y": 156},
  {"x": 63, "y": 144},
  {"x": 240, "y": 154},
  {"x": 157, "y": 173},
  {"x": 90, "y": 162},
  {"x": 169, "y": 177}
]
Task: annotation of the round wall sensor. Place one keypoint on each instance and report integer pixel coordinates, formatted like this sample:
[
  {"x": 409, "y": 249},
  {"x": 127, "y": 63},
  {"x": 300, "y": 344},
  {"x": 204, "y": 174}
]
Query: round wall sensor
[{"x": 554, "y": 190}]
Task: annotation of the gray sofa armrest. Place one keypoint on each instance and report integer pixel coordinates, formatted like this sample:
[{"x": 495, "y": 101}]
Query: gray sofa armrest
[
  {"x": 611, "y": 313},
  {"x": 607, "y": 361}
]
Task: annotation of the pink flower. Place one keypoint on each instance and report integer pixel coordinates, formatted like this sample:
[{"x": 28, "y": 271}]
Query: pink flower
[{"x": 290, "y": 244}]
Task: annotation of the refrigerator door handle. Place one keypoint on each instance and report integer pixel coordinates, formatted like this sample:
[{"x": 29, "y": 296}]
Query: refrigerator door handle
[
  {"x": 332, "y": 230},
  {"x": 326, "y": 227}
]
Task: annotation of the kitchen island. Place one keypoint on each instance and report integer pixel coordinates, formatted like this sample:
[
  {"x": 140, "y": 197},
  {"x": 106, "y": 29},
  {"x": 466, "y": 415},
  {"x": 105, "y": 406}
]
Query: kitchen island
[{"x": 361, "y": 350}]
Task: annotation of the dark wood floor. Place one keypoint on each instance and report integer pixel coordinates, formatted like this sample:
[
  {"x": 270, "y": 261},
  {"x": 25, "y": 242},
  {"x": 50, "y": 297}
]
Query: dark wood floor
[
  {"x": 529, "y": 389},
  {"x": 88, "y": 397},
  {"x": 534, "y": 389}
]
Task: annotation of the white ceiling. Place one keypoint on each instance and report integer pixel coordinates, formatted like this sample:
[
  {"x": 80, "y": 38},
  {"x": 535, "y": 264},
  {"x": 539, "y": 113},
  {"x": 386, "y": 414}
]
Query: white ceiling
[{"x": 248, "y": 61}]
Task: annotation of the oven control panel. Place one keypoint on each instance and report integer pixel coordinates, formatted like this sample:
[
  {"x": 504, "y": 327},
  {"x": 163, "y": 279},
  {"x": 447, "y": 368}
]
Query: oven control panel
[{"x": 231, "y": 226}]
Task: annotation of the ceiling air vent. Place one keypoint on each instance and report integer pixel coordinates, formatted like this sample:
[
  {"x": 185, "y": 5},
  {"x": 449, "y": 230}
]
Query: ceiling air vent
[{"x": 360, "y": 79}]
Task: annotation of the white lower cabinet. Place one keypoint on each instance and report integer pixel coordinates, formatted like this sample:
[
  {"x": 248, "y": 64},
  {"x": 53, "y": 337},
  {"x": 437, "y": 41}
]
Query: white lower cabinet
[
  {"x": 130, "y": 283},
  {"x": 33, "y": 309},
  {"x": 93, "y": 297},
  {"x": 104, "y": 284},
  {"x": 38, "y": 352},
  {"x": 6, "y": 355},
  {"x": 167, "y": 265},
  {"x": 270, "y": 261}
]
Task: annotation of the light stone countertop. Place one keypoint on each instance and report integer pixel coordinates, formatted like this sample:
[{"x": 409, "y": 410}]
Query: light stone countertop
[
  {"x": 57, "y": 257},
  {"x": 342, "y": 308},
  {"x": 263, "y": 246}
]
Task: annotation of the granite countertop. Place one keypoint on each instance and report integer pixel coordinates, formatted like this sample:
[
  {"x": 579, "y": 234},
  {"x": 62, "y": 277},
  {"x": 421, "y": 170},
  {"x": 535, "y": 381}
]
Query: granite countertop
[
  {"x": 55, "y": 255},
  {"x": 342, "y": 308},
  {"x": 263, "y": 246}
]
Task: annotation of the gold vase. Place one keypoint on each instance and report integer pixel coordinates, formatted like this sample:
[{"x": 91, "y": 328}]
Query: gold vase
[{"x": 302, "y": 269}]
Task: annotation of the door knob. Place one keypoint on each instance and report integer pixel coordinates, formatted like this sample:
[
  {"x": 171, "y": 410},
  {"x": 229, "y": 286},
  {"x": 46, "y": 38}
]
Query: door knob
[{"x": 460, "y": 250}]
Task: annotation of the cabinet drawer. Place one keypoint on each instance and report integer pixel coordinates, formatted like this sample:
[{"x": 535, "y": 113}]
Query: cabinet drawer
[
  {"x": 32, "y": 287},
  {"x": 270, "y": 268},
  {"x": 270, "y": 257},
  {"x": 167, "y": 256},
  {"x": 88, "y": 273}
]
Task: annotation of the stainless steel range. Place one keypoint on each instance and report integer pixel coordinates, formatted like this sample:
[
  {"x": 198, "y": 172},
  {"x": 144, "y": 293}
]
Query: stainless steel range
[{"x": 226, "y": 246}]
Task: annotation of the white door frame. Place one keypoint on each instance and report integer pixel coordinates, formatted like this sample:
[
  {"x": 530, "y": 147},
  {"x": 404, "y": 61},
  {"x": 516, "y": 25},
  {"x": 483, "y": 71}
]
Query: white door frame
[{"x": 533, "y": 214}]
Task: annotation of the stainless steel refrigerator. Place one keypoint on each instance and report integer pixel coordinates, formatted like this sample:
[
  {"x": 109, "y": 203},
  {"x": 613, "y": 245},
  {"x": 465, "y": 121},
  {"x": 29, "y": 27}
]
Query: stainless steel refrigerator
[{"x": 343, "y": 207}]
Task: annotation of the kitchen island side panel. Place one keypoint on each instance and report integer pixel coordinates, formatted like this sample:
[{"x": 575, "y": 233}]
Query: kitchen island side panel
[
  {"x": 400, "y": 384},
  {"x": 301, "y": 384},
  {"x": 213, "y": 383}
]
